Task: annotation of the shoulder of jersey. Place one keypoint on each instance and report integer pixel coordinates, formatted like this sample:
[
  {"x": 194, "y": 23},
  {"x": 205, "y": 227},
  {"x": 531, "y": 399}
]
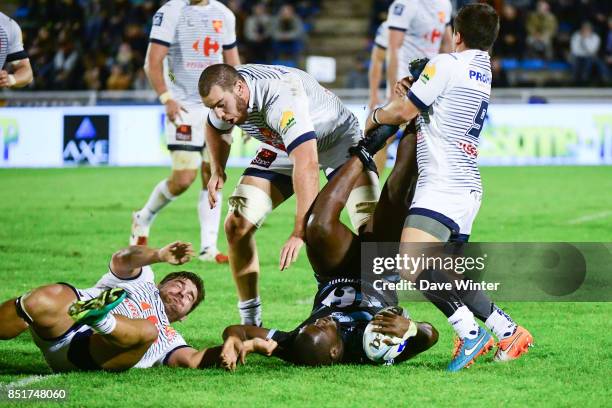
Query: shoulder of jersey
[
  {"x": 175, "y": 5},
  {"x": 222, "y": 7}
]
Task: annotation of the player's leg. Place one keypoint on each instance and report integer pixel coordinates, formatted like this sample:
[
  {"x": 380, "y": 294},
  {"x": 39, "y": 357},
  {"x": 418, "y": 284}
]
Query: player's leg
[
  {"x": 387, "y": 221},
  {"x": 514, "y": 340},
  {"x": 472, "y": 340},
  {"x": 210, "y": 218},
  {"x": 125, "y": 346},
  {"x": 45, "y": 309},
  {"x": 11, "y": 324},
  {"x": 330, "y": 243},
  {"x": 185, "y": 165},
  {"x": 264, "y": 185},
  {"x": 115, "y": 342},
  {"x": 185, "y": 142}
]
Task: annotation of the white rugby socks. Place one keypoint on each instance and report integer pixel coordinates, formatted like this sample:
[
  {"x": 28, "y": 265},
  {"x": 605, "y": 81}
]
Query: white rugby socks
[
  {"x": 500, "y": 324},
  {"x": 209, "y": 220},
  {"x": 160, "y": 197},
  {"x": 463, "y": 323},
  {"x": 250, "y": 311},
  {"x": 106, "y": 325}
]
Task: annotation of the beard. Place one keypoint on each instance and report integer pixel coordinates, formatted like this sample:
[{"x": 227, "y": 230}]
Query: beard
[{"x": 242, "y": 108}]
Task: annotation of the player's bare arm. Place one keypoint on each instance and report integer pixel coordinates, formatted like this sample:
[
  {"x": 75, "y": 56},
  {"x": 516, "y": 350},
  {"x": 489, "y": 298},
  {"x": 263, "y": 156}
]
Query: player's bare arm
[
  {"x": 188, "y": 357},
  {"x": 126, "y": 263},
  {"x": 239, "y": 341},
  {"x": 396, "y": 38},
  {"x": 375, "y": 72},
  {"x": 21, "y": 76},
  {"x": 218, "y": 153},
  {"x": 231, "y": 56},
  {"x": 306, "y": 186},
  {"x": 154, "y": 68}
]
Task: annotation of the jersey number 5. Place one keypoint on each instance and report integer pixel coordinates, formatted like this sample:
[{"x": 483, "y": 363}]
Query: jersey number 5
[{"x": 479, "y": 120}]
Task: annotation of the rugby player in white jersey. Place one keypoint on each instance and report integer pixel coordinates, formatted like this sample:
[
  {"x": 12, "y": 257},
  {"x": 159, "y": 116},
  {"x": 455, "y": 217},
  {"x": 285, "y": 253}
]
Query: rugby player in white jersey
[
  {"x": 417, "y": 29},
  {"x": 191, "y": 35},
  {"x": 75, "y": 329},
  {"x": 302, "y": 127},
  {"x": 15, "y": 68},
  {"x": 451, "y": 97}
]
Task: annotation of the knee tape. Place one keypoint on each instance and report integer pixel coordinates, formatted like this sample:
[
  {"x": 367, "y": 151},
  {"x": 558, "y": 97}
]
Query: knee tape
[
  {"x": 185, "y": 160},
  {"x": 251, "y": 203},
  {"x": 361, "y": 204}
]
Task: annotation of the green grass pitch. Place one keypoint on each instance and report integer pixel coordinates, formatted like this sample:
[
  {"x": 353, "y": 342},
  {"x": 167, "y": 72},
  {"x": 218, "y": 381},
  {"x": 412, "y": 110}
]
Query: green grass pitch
[{"x": 63, "y": 225}]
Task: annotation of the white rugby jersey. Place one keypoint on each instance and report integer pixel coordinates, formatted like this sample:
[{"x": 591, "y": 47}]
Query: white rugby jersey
[
  {"x": 196, "y": 37},
  {"x": 11, "y": 42},
  {"x": 382, "y": 36},
  {"x": 287, "y": 107},
  {"x": 423, "y": 23},
  {"x": 453, "y": 94},
  {"x": 143, "y": 302}
]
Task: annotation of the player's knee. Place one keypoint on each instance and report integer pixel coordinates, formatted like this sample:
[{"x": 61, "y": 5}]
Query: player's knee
[
  {"x": 45, "y": 299},
  {"x": 181, "y": 181},
  {"x": 237, "y": 227},
  {"x": 318, "y": 229},
  {"x": 149, "y": 333},
  {"x": 248, "y": 208}
]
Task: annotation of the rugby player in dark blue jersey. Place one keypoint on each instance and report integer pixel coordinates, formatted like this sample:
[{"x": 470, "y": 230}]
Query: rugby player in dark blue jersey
[{"x": 344, "y": 303}]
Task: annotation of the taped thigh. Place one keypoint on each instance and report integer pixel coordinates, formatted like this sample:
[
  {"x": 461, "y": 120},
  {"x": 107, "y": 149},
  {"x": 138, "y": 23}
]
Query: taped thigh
[
  {"x": 185, "y": 160},
  {"x": 250, "y": 202},
  {"x": 361, "y": 204}
]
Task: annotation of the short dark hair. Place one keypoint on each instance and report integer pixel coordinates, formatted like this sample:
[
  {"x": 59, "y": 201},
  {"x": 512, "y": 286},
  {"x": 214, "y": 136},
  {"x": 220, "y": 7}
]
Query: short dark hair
[
  {"x": 195, "y": 279},
  {"x": 478, "y": 25},
  {"x": 223, "y": 75}
]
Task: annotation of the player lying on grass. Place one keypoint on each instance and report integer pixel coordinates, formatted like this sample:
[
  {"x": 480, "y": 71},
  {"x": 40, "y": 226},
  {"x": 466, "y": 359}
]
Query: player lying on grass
[
  {"x": 344, "y": 303},
  {"x": 450, "y": 99},
  {"x": 75, "y": 330}
]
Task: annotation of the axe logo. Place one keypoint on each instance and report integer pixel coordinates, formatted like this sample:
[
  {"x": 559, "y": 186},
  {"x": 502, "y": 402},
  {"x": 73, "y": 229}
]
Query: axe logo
[{"x": 86, "y": 139}]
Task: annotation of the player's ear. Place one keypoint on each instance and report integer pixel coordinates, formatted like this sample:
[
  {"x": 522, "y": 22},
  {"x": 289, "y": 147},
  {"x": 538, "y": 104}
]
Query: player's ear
[{"x": 335, "y": 352}]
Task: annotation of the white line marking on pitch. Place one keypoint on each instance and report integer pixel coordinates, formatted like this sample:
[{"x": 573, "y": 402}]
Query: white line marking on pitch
[
  {"x": 590, "y": 217},
  {"x": 27, "y": 381}
]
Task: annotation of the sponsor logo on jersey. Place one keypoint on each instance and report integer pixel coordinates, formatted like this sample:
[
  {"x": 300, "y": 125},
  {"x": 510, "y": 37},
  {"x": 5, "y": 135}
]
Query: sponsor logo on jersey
[
  {"x": 272, "y": 138},
  {"x": 428, "y": 73},
  {"x": 158, "y": 18},
  {"x": 469, "y": 149},
  {"x": 480, "y": 77},
  {"x": 217, "y": 25},
  {"x": 398, "y": 9},
  {"x": 264, "y": 158},
  {"x": 183, "y": 133},
  {"x": 441, "y": 16},
  {"x": 209, "y": 46},
  {"x": 287, "y": 121},
  {"x": 170, "y": 333}
]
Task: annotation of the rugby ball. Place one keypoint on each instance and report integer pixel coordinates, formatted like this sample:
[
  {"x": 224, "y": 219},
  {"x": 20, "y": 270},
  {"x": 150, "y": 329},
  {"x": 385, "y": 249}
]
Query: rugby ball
[{"x": 382, "y": 348}]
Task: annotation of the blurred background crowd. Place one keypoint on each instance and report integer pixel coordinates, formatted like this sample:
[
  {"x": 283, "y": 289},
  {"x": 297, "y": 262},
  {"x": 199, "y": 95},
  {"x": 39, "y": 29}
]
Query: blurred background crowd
[{"x": 101, "y": 44}]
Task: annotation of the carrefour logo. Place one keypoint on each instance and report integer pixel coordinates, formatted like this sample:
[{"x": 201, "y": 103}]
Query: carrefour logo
[{"x": 9, "y": 134}]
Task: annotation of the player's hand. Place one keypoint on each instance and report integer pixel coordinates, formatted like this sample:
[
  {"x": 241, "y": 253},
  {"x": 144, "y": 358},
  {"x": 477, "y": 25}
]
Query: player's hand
[
  {"x": 401, "y": 87},
  {"x": 4, "y": 80},
  {"x": 391, "y": 324},
  {"x": 290, "y": 251},
  {"x": 177, "y": 253},
  {"x": 173, "y": 110},
  {"x": 264, "y": 347},
  {"x": 230, "y": 352},
  {"x": 215, "y": 184}
]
